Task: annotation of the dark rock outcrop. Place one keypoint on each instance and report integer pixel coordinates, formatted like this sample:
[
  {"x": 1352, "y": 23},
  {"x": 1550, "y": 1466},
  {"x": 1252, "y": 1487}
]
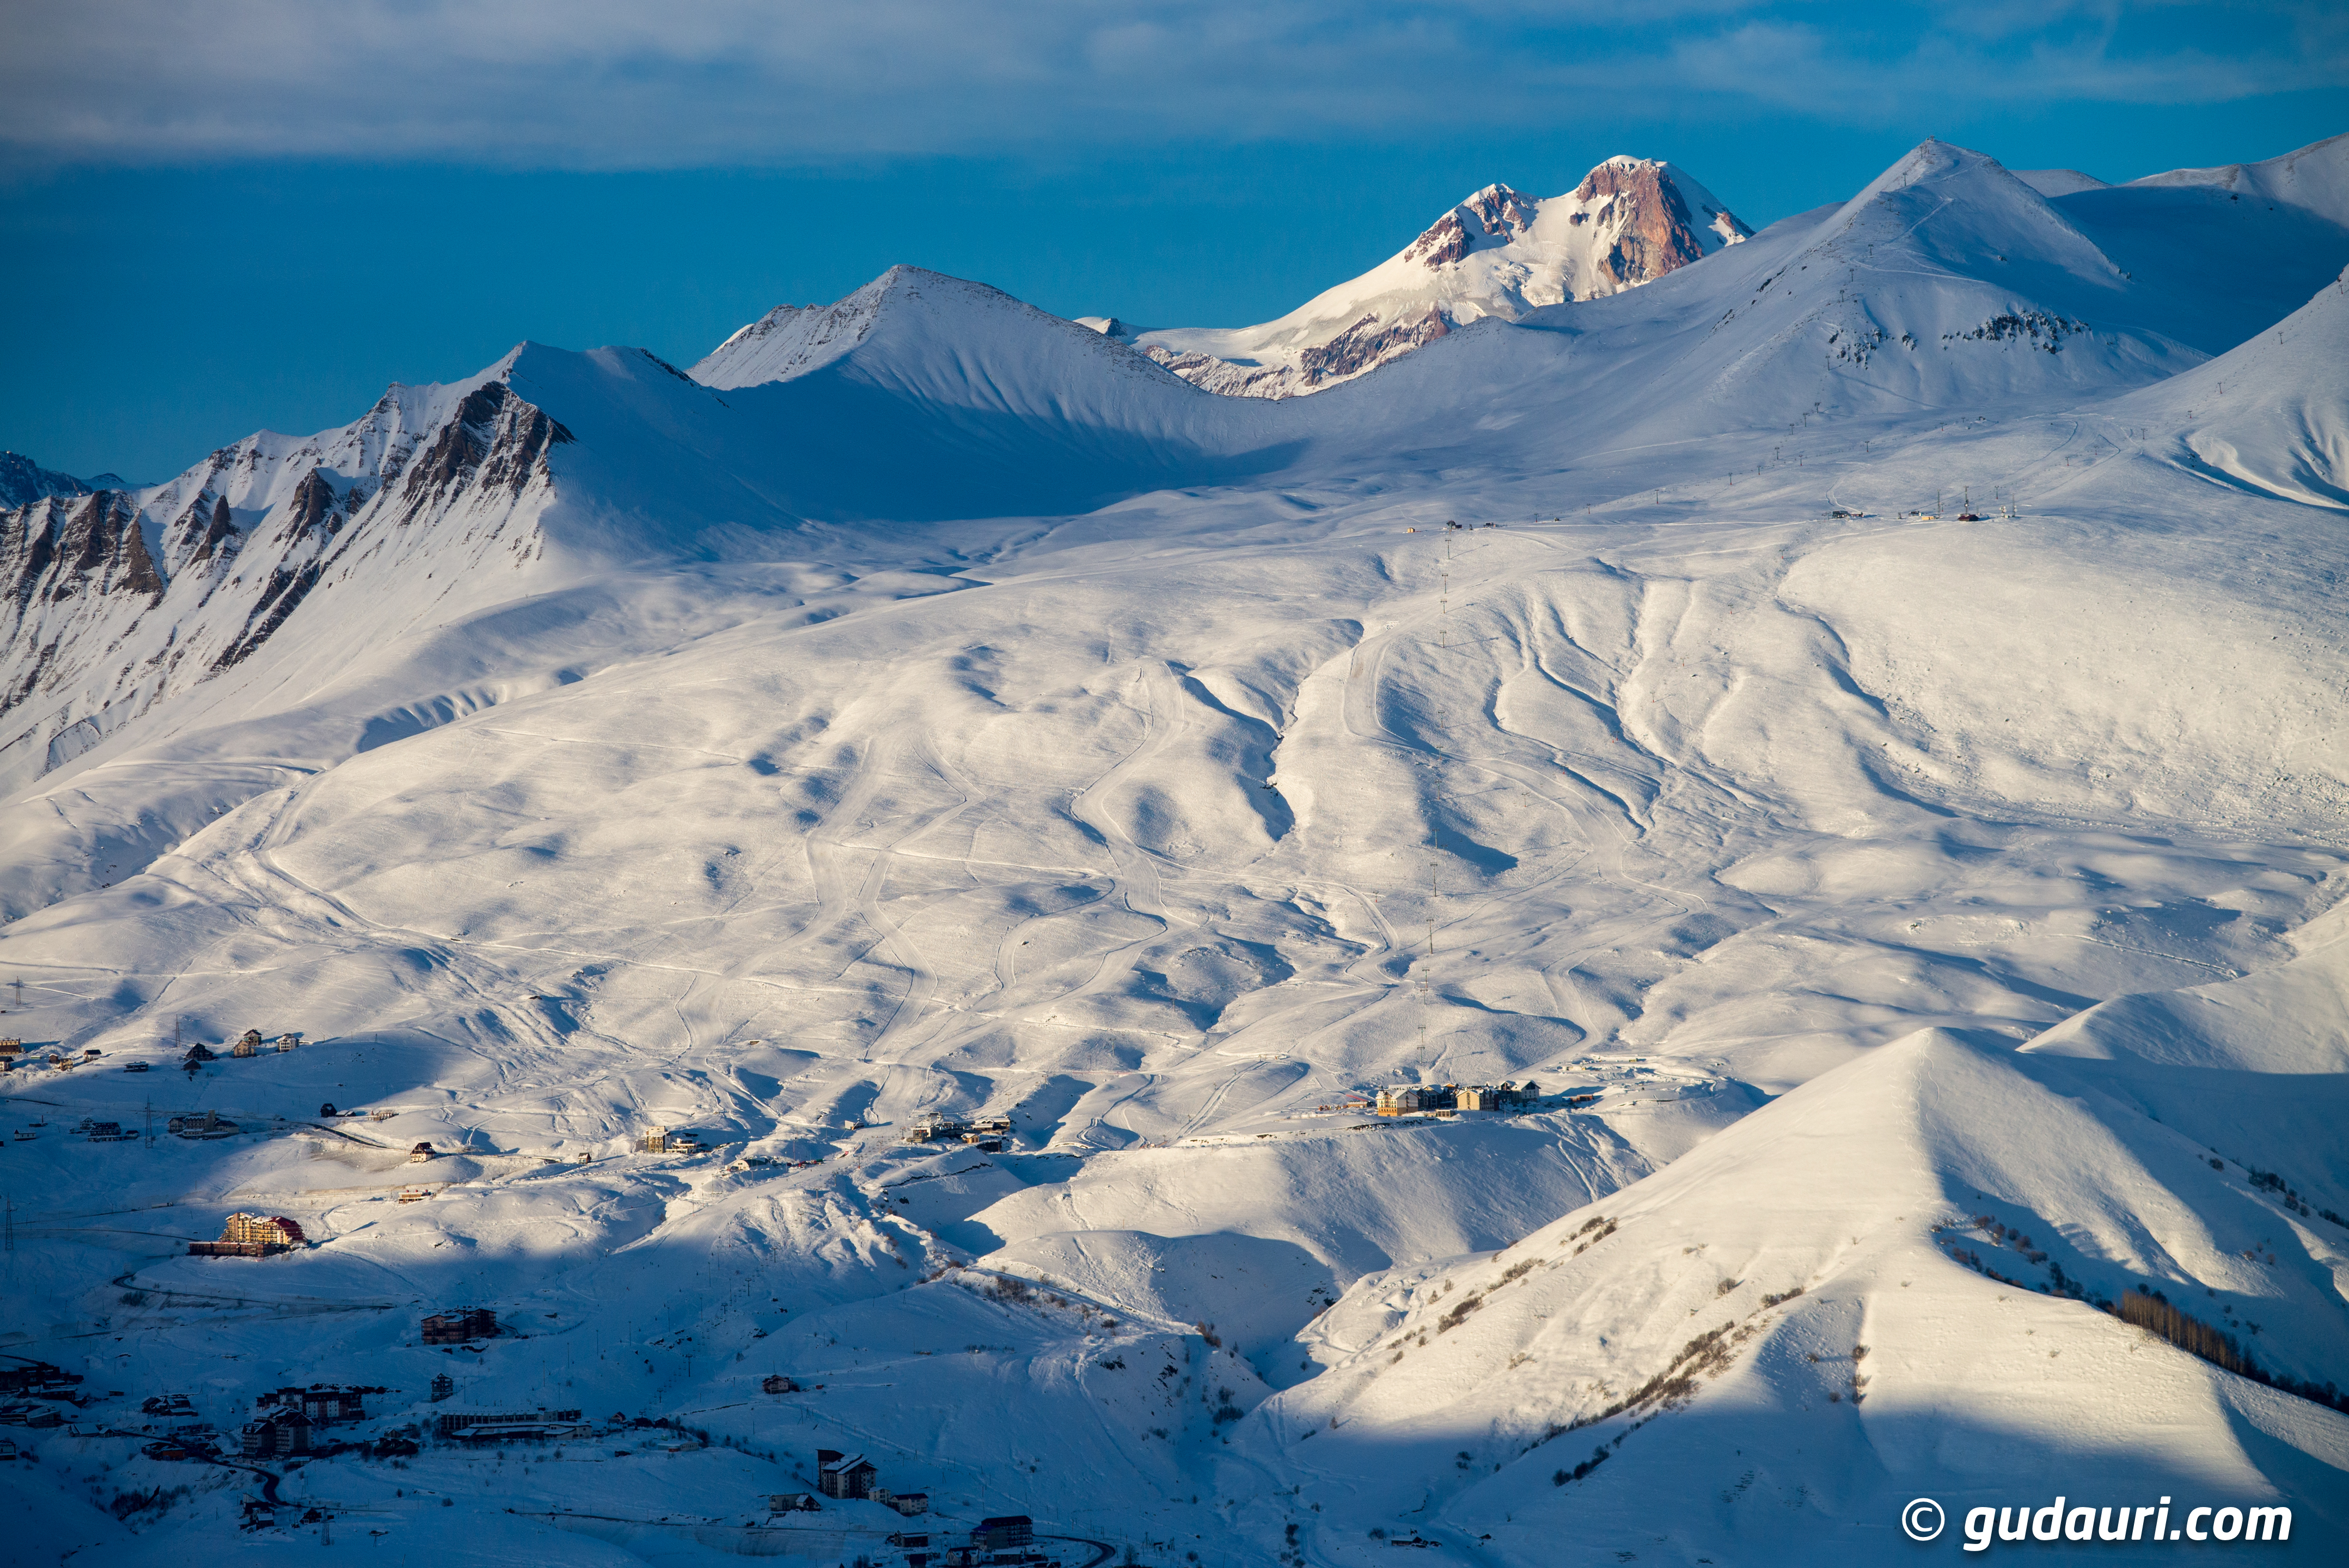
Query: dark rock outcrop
[
  {"x": 496, "y": 438},
  {"x": 1654, "y": 233},
  {"x": 1497, "y": 213},
  {"x": 62, "y": 548},
  {"x": 1370, "y": 342},
  {"x": 218, "y": 539},
  {"x": 66, "y": 561}
]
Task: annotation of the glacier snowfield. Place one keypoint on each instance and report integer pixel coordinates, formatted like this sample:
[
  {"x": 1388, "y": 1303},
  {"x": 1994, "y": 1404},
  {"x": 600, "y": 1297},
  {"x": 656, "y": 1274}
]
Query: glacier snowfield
[{"x": 929, "y": 706}]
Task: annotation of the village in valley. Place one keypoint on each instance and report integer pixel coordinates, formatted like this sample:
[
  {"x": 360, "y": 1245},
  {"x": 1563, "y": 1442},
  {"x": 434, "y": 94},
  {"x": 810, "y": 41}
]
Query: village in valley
[
  {"x": 283, "y": 1452},
  {"x": 290, "y": 1429}
]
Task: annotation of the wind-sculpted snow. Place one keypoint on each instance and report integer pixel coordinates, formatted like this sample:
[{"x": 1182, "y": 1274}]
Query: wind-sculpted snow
[{"x": 1828, "y": 687}]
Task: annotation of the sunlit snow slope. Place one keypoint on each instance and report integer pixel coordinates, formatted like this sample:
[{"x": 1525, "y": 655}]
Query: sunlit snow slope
[{"x": 1858, "y": 722}]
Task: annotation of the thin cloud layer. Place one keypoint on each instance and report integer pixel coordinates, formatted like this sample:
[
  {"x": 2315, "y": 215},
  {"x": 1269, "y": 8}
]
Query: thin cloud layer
[{"x": 603, "y": 84}]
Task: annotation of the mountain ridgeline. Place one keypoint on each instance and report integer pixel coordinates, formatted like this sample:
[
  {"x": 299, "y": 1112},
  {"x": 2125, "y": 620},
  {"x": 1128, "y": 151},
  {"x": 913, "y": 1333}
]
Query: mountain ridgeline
[{"x": 1636, "y": 299}]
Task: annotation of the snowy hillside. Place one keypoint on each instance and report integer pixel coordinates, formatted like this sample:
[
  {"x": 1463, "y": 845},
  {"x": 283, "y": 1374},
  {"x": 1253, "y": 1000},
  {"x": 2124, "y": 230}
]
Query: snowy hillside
[{"x": 1851, "y": 734}]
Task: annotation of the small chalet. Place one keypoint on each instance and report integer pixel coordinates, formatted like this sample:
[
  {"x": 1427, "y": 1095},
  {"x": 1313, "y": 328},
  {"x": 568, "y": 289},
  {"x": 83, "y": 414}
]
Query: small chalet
[{"x": 421, "y": 1154}]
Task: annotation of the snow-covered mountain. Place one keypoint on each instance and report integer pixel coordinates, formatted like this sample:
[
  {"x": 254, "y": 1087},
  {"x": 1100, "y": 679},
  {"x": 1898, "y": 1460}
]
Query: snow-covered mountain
[
  {"x": 1925, "y": 932},
  {"x": 23, "y": 481},
  {"x": 1497, "y": 253},
  {"x": 120, "y": 600}
]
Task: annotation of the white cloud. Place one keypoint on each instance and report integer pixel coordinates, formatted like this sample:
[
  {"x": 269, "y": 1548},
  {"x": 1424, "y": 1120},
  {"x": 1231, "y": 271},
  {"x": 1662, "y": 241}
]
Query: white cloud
[{"x": 603, "y": 84}]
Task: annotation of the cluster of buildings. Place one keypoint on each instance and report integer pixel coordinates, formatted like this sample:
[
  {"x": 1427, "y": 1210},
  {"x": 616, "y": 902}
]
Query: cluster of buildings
[
  {"x": 252, "y": 1236},
  {"x": 39, "y": 1379},
  {"x": 41, "y": 1382},
  {"x": 986, "y": 1135},
  {"x": 668, "y": 1140},
  {"x": 1405, "y": 1100},
  {"x": 13, "y": 1055},
  {"x": 1006, "y": 1541},
  {"x": 289, "y": 1417},
  {"x": 288, "y": 1420}
]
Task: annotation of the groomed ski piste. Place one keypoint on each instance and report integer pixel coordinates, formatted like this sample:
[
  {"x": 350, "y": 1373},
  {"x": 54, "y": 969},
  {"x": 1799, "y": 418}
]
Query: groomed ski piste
[{"x": 1858, "y": 722}]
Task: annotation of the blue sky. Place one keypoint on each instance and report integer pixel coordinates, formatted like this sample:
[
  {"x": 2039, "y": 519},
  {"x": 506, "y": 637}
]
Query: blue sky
[{"x": 253, "y": 214}]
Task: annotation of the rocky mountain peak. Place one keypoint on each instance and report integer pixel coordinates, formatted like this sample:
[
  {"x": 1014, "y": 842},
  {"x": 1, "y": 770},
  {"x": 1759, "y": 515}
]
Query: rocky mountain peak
[
  {"x": 1653, "y": 233},
  {"x": 23, "y": 481},
  {"x": 1499, "y": 252},
  {"x": 1492, "y": 217}
]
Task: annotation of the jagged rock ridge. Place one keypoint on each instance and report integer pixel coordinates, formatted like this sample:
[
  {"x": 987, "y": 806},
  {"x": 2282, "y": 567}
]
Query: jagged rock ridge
[
  {"x": 23, "y": 481},
  {"x": 123, "y": 597}
]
